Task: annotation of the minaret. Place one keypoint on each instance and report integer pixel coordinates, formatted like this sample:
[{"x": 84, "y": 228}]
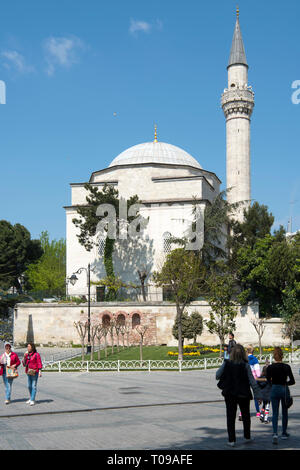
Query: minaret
[{"x": 237, "y": 103}]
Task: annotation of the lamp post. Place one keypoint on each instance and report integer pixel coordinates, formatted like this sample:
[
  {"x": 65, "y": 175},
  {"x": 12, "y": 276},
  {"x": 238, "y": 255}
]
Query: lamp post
[{"x": 73, "y": 279}]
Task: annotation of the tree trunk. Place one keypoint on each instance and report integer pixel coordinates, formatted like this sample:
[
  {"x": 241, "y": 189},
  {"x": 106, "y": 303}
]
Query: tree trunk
[
  {"x": 82, "y": 350},
  {"x": 112, "y": 343},
  {"x": 259, "y": 344},
  {"x": 99, "y": 350},
  {"x": 141, "y": 350},
  {"x": 180, "y": 339}
]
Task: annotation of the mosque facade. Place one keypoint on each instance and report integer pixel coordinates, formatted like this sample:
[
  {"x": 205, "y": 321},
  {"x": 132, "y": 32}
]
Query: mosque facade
[{"x": 169, "y": 183}]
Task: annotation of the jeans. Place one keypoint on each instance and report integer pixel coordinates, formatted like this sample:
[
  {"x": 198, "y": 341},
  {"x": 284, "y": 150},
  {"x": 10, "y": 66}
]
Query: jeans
[
  {"x": 32, "y": 385},
  {"x": 256, "y": 406},
  {"x": 7, "y": 383},
  {"x": 278, "y": 394},
  {"x": 231, "y": 408}
]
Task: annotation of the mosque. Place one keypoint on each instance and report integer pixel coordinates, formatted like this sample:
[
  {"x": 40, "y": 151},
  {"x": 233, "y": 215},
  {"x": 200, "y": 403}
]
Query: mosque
[{"x": 169, "y": 183}]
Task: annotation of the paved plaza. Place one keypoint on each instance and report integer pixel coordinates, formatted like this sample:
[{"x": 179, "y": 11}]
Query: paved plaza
[{"x": 129, "y": 410}]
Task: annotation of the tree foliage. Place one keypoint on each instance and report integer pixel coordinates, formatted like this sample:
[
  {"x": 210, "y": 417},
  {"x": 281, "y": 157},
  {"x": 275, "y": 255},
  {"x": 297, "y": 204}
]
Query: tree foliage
[
  {"x": 88, "y": 222},
  {"x": 192, "y": 326},
  {"x": 48, "y": 274},
  {"x": 184, "y": 273},
  {"x": 17, "y": 251},
  {"x": 221, "y": 297}
]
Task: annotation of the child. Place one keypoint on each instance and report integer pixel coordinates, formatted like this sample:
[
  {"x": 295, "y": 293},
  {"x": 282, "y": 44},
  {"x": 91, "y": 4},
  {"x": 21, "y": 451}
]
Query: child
[
  {"x": 254, "y": 364},
  {"x": 266, "y": 392},
  {"x": 226, "y": 353}
]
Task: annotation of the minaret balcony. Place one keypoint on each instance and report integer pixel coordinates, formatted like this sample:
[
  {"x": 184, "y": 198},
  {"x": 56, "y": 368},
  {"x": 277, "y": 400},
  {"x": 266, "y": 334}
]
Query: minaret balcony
[{"x": 238, "y": 101}]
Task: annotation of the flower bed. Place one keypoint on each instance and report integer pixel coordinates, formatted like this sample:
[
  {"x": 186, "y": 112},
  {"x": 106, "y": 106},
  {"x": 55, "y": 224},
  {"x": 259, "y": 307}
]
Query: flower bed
[
  {"x": 191, "y": 350},
  {"x": 194, "y": 350}
]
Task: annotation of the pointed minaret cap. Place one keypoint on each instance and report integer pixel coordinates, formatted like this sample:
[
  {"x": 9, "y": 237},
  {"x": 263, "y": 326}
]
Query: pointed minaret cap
[{"x": 237, "y": 53}]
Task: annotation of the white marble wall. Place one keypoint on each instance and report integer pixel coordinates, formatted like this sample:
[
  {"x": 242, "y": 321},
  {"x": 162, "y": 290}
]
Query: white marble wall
[{"x": 54, "y": 323}]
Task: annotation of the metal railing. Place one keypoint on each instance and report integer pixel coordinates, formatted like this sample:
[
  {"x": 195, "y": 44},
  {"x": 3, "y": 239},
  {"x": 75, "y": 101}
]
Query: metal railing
[{"x": 151, "y": 365}]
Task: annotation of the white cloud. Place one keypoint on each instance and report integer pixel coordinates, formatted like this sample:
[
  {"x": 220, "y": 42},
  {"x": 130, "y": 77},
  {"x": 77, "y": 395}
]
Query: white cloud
[
  {"x": 137, "y": 26},
  {"x": 13, "y": 59},
  {"x": 62, "y": 51}
]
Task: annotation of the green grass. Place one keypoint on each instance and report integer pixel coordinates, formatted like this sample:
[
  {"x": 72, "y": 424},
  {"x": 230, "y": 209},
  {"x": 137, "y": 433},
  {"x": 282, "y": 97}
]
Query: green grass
[{"x": 149, "y": 353}]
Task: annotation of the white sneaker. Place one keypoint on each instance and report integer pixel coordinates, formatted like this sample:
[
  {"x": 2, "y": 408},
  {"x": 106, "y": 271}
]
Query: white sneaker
[
  {"x": 248, "y": 441},
  {"x": 231, "y": 444},
  {"x": 31, "y": 403},
  {"x": 28, "y": 401},
  {"x": 7, "y": 402}
]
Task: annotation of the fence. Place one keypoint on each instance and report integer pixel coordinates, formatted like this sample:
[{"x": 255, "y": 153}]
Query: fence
[{"x": 151, "y": 365}]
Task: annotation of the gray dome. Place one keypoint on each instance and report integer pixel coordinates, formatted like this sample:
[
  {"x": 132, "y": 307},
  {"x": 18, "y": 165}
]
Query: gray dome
[{"x": 155, "y": 152}]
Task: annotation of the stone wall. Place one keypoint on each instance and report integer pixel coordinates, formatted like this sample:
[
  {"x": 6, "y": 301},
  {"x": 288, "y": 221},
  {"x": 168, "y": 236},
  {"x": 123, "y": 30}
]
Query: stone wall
[{"x": 53, "y": 323}]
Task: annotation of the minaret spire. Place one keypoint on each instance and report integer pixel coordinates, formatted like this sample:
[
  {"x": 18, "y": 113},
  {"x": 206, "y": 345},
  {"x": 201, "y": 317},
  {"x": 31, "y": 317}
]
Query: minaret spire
[{"x": 237, "y": 53}]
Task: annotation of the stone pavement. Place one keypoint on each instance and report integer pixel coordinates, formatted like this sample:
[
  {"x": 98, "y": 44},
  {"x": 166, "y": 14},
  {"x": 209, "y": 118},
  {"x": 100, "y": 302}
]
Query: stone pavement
[{"x": 130, "y": 411}]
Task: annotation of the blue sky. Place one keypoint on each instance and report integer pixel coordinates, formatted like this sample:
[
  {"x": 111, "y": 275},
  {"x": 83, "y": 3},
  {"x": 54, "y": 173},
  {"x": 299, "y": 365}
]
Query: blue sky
[{"x": 87, "y": 79}]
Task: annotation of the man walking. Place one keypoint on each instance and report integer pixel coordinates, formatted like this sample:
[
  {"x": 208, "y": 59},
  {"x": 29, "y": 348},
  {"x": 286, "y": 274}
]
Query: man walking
[{"x": 231, "y": 342}]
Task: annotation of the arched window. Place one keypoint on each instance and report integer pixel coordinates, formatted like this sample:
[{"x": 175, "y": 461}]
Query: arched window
[
  {"x": 167, "y": 242},
  {"x": 121, "y": 319},
  {"x": 106, "y": 320},
  {"x": 101, "y": 245},
  {"x": 136, "y": 320}
]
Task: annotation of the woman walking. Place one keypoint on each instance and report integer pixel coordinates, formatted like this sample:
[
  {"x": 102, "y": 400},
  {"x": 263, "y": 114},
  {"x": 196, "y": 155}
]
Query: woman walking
[
  {"x": 33, "y": 366},
  {"x": 9, "y": 359},
  {"x": 278, "y": 374},
  {"x": 235, "y": 381}
]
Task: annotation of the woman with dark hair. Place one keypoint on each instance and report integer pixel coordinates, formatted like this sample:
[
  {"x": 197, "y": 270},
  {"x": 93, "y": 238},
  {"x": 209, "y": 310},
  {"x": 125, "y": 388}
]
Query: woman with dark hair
[
  {"x": 278, "y": 374},
  {"x": 8, "y": 360},
  {"x": 236, "y": 378},
  {"x": 33, "y": 366}
]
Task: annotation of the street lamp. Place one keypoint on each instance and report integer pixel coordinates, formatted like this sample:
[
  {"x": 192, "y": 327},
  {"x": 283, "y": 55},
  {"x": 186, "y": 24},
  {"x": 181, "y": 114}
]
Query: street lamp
[{"x": 73, "y": 279}]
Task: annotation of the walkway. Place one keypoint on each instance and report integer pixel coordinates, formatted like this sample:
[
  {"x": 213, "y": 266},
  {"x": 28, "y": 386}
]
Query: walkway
[{"x": 129, "y": 410}]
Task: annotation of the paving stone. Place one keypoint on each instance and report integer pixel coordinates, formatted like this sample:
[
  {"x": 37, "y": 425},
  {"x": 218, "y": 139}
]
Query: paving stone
[{"x": 107, "y": 410}]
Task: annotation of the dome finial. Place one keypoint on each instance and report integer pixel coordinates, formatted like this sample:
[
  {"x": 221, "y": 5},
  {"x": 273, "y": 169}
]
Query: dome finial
[
  {"x": 155, "y": 133},
  {"x": 237, "y": 12}
]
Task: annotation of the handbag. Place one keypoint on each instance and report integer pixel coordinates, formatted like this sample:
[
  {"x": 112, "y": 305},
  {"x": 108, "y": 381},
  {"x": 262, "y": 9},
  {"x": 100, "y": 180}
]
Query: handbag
[
  {"x": 11, "y": 373},
  {"x": 30, "y": 371},
  {"x": 288, "y": 398}
]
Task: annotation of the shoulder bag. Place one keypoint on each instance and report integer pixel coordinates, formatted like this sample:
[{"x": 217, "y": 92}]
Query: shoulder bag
[
  {"x": 30, "y": 371},
  {"x": 11, "y": 373}
]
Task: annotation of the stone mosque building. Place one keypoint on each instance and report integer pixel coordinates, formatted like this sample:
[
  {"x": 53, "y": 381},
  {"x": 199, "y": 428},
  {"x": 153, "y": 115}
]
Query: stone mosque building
[{"x": 168, "y": 182}]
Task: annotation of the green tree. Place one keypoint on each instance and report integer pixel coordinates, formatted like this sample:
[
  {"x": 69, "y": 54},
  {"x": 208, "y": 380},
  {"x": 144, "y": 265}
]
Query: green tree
[
  {"x": 196, "y": 321},
  {"x": 186, "y": 329},
  {"x": 223, "y": 307},
  {"x": 192, "y": 326},
  {"x": 17, "y": 251},
  {"x": 89, "y": 220},
  {"x": 184, "y": 273},
  {"x": 265, "y": 271},
  {"x": 290, "y": 314},
  {"x": 256, "y": 224},
  {"x": 48, "y": 274}
]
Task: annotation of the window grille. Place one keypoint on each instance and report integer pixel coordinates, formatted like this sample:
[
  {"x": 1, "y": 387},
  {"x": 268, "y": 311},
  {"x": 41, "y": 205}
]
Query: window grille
[
  {"x": 101, "y": 246},
  {"x": 167, "y": 244}
]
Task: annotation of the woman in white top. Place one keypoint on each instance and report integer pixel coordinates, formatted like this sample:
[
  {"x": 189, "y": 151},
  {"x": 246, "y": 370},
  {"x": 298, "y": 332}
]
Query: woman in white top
[{"x": 8, "y": 359}]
